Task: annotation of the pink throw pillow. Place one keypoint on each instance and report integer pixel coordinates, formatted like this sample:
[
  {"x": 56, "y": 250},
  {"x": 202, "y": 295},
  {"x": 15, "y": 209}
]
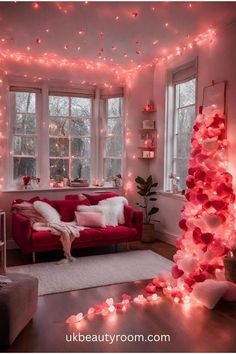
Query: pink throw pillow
[
  {"x": 90, "y": 219},
  {"x": 209, "y": 292}
]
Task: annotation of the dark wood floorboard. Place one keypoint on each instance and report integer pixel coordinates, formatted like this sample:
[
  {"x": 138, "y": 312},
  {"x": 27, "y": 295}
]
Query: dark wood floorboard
[{"x": 191, "y": 329}]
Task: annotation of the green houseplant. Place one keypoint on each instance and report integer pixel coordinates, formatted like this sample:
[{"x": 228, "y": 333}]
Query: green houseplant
[{"x": 146, "y": 189}]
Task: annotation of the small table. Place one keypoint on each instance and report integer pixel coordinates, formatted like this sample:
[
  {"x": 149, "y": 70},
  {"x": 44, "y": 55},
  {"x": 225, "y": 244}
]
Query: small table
[{"x": 3, "y": 240}]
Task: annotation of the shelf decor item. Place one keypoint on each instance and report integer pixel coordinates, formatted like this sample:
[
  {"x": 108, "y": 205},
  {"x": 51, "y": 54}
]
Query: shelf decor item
[
  {"x": 148, "y": 124},
  {"x": 149, "y": 107}
]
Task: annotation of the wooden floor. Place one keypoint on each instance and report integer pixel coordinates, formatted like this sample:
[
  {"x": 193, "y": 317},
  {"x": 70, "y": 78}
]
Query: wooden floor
[{"x": 190, "y": 329}]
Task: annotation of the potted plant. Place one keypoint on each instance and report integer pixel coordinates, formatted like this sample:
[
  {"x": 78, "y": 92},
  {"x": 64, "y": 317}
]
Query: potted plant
[{"x": 146, "y": 189}]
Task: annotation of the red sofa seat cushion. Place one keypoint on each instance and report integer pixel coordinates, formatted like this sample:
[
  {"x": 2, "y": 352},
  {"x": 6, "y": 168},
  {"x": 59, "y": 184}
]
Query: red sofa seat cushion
[
  {"x": 45, "y": 239},
  {"x": 109, "y": 233},
  {"x": 94, "y": 199},
  {"x": 67, "y": 208}
]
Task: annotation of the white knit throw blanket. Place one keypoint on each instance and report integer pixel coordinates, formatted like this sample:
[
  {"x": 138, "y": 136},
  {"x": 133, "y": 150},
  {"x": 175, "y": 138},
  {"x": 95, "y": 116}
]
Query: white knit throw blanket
[{"x": 67, "y": 231}]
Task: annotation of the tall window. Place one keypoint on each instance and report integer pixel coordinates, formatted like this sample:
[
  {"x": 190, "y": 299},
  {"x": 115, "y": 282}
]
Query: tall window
[
  {"x": 185, "y": 99},
  {"x": 113, "y": 138},
  {"x": 181, "y": 110},
  {"x": 24, "y": 149},
  {"x": 69, "y": 136}
]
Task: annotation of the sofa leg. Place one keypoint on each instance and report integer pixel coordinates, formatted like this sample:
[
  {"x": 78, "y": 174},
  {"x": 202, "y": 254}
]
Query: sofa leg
[
  {"x": 116, "y": 247},
  {"x": 34, "y": 256}
]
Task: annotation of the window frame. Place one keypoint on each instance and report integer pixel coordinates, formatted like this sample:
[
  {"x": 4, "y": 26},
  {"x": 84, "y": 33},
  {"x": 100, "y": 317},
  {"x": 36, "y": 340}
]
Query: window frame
[
  {"x": 106, "y": 135},
  {"x": 171, "y": 118},
  {"x": 70, "y": 136},
  {"x": 13, "y": 112},
  {"x": 97, "y": 118}
]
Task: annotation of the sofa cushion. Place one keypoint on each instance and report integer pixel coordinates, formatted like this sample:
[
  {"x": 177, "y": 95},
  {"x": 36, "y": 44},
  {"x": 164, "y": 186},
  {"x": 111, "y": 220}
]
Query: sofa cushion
[
  {"x": 67, "y": 208},
  {"x": 32, "y": 200},
  {"x": 128, "y": 214},
  {"x": 90, "y": 219},
  {"x": 49, "y": 213},
  {"x": 110, "y": 233},
  {"x": 95, "y": 198}
]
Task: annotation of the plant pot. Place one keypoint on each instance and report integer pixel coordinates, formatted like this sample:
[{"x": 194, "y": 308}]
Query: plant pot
[
  {"x": 230, "y": 268},
  {"x": 148, "y": 233}
]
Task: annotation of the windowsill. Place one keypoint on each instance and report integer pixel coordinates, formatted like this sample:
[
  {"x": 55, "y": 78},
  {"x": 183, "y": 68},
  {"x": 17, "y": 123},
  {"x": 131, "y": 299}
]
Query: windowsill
[
  {"x": 172, "y": 195},
  {"x": 56, "y": 189}
]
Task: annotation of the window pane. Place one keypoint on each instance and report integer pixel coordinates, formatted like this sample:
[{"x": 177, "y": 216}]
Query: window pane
[
  {"x": 185, "y": 119},
  {"x": 183, "y": 145},
  {"x": 58, "y": 106},
  {"x": 24, "y": 166},
  {"x": 58, "y": 126},
  {"x": 80, "y": 169},
  {"x": 114, "y": 107},
  {"x": 23, "y": 145},
  {"x": 25, "y": 102},
  {"x": 114, "y": 126},
  {"x": 59, "y": 147},
  {"x": 181, "y": 170},
  {"x": 25, "y": 124},
  {"x": 80, "y": 147},
  {"x": 80, "y": 127},
  {"x": 112, "y": 167},
  {"x": 59, "y": 168},
  {"x": 113, "y": 146},
  {"x": 187, "y": 93},
  {"x": 80, "y": 107}
]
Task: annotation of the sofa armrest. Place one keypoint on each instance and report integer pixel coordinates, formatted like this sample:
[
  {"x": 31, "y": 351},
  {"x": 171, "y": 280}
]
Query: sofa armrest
[
  {"x": 21, "y": 230},
  {"x": 138, "y": 222}
]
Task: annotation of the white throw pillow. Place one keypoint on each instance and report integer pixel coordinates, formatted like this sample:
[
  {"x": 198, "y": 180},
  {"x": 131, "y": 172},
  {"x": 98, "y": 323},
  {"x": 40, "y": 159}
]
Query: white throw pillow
[
  {"x": 116, "y": 208},
  {"x": 209, "y": 292},
  {"x": 49, "y": 213}
]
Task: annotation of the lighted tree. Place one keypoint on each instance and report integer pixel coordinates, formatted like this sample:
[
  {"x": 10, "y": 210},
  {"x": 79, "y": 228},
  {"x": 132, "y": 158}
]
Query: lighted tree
[{"x": 207, "y": 219}]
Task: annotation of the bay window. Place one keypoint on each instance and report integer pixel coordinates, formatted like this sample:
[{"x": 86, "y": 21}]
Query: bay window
[{"x": 56, "y": 134}]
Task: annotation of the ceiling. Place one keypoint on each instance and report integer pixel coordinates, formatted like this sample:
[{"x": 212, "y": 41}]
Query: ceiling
[{"x": 119, "y": 33}]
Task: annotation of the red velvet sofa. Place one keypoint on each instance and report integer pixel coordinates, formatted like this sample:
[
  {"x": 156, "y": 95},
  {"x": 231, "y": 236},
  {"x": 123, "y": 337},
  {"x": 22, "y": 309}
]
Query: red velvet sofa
[{"x": 30, "y": 241}]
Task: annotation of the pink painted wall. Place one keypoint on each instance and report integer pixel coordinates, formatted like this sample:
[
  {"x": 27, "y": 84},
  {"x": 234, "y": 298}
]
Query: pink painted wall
[{"x": 216, "y": 62}]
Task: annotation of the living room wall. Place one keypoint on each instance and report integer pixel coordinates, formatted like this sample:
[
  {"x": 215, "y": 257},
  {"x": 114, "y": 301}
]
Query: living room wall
[
  {"x": 138, "y": 91},
  {"x": 215, "y": 62}
]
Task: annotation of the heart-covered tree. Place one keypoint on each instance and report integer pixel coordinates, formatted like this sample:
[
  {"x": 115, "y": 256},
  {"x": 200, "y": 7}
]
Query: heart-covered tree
[{"x": 207, "y": 219}]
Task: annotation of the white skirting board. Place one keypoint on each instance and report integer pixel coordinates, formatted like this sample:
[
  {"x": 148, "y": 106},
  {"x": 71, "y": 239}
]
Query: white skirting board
[{"x": 167, "y": 237}]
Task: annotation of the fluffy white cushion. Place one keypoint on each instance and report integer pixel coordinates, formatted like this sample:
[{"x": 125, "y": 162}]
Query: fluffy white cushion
[
  {"x": 209, "y": 292},
  {"x": 49, "y": 213},
  {"x": 112, "y": 208},
  {"x": 115, "y": 208}
]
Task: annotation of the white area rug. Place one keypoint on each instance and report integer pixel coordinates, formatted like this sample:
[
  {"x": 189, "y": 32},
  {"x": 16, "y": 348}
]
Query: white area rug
[{"x": 93, "y": 271}]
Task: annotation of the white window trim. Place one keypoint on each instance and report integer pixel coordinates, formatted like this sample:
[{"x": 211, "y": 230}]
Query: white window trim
[
  {"x": 170, "y": 111},
  {"x": 42, "y": 160}
]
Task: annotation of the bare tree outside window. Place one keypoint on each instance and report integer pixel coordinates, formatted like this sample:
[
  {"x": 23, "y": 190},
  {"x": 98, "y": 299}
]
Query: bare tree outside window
[
  {"x": 114, "y": 138},
  {"x": 69, "y": 136},
  {"x": 24, "y": 134},
  {"x": 185, "y": 105}
]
